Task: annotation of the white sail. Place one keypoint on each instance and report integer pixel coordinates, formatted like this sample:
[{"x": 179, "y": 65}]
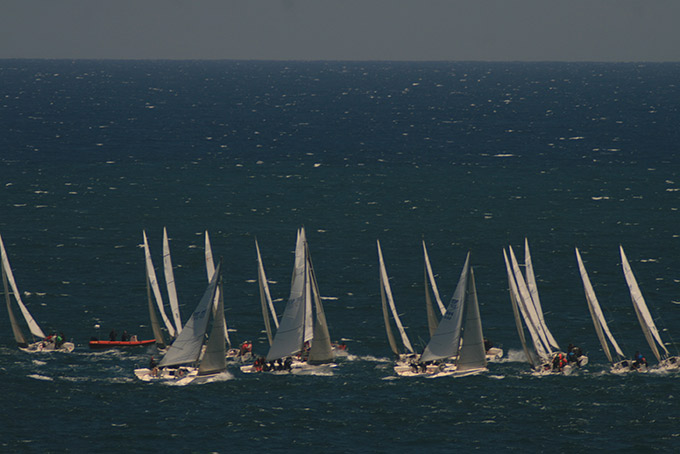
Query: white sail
[
  {"x": 386, "y": 293},
  {"x": 289, "y": 338},
  {"x": 321, "y": 351},
  {"x": 472, "y": 353},
  {"x": 514, "y": 300},
  {"x": 32, "y": 324},
  {"x": 265, "y": 298},
  {"x": 641, "y": 310},
  {"x": 446, "y": 340},
  {"x": 170, "y": 283},
  {"x": 528, "y": 310},
  {"x": 153, "y": 282},
  {"x": 186, "y": 348},
  {"x": 533, "y": 291},
  {"x": 155, "y": 324},
  {"x": 601, "y": 327},
  {"x": 309, "y": 318},
  {"x": 214, "y": 358},
  {"x": 210, "y": 271},
  {"x": 430, "y": 283}
]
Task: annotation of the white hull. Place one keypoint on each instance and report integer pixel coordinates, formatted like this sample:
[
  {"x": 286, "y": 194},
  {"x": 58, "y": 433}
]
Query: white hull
[
  {"x": 672, "y": 363},
  {"x": 298, "y": 367},
  {"x": 166, "y": 374},
  {"x": 435, "y": 371},
  {"x": 47, "y": 347},
  {"x": 178, "y": 377},
  {"x": 494, "y": 354},
  {"x": 625, "y": 366}
]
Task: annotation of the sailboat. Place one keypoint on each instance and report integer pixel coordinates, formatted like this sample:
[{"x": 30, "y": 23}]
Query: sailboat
[
  {"x": 186, "y": 359},
  {"x": 619, "y": 363},
  {"x": 492, "y": 353},
  {"x": 404, "y": 353},
  {"x": 302, "y": 338},
  {"x": 232, "y": 353},
  {"x": 546, "y": 356},
  {"x": 457, "y": 346},
  {"x": 666, "y": 361},
  {"x": 45, "y": 343}
]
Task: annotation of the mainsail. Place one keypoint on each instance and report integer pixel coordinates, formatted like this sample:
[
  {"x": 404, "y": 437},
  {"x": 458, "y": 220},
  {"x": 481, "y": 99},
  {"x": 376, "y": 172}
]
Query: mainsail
[
  {"x": 472, "y": 354},
  {"x": 153, "y": 283},
  {"x": 265, "y": 298},
  {"x": 527, "y": 308},
  {"x": 642, "y": 312},
  {"x": 514, "y": 300},
  {"x": 170, "y": 283},
  {"x": 214, "y": 358},
  {"x": 210, "y": 270},
  {"x": 388, "y": 300},
  {"x": 289, "y": 338},
  {"x": 445, "y": 342},
  {"x": 321, "y": 350},
  {"x": 430, "y": 283},
  {"x": 601, "y": 327},
  {"x": 8, "y": 277},
  {"x": 186, "y": 348},
  {"x": 533, "y": 290}
]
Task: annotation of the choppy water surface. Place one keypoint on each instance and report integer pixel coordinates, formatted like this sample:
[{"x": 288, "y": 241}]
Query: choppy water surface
[{"x": 467, "y": 156}]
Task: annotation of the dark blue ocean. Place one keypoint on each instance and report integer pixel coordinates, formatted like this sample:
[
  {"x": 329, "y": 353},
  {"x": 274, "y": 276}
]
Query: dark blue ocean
[{"x": 466, "y": 156}]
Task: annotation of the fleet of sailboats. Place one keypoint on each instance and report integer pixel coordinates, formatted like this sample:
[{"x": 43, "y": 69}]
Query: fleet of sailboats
[{"x": 299, "y": 341}]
